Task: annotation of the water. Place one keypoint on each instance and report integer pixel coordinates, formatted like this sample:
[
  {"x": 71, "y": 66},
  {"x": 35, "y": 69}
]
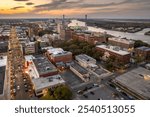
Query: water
[{"x": 135, "y": 36}]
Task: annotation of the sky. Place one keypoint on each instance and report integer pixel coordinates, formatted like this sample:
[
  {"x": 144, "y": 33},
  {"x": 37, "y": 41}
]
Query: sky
[{"x": 128, "y": 9}]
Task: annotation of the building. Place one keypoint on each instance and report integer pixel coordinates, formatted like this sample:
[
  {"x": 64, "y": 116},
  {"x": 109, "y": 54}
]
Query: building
[
  {"x": 89, "y": 63},
  {"x": 3, "y": 62},
  {"x": 57, "y": 55},
  {"x": 43, "y": 74},
  {"x": 43, "y": 41},
  {"x": 121, "y": 55},
  {"x": 85, "y": 60},
  {"x": 143, "y": 52},
  {"x": 123, "y": 43},
  {"x": 41, "y": 85},
  {"x": 3, "y": 47},
  {"x": 66, "y": 34},
  {"x": 75, "y": 24},
  {"x": 89, "y": 37},
  {"x": 80, "y": 72},
  {"x": 29, "y": 48},
  {"x": 40, "y": 66},
  {"x": 136, "y": 82}
]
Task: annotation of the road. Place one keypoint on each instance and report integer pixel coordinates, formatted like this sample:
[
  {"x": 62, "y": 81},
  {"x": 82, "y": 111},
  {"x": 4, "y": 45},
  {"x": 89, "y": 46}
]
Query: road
[{"x": 16, "y": 67}]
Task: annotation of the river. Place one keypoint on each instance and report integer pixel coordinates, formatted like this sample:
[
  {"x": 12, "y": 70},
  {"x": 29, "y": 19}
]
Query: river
[{"x": 134, "y": 36}]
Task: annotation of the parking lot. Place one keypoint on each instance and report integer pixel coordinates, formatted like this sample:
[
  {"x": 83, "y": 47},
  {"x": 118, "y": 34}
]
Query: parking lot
[{"x": 99, "y": 93}]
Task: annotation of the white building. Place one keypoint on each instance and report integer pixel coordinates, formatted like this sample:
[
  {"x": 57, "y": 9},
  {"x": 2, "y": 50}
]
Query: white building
[
  {"x": 41, "y": 85},
  {"x": 43, "y": 74},
  {"x": 85, "y": 60},
  {"x": 30, "y": 48},
  {"x": 77, "y": 24}
]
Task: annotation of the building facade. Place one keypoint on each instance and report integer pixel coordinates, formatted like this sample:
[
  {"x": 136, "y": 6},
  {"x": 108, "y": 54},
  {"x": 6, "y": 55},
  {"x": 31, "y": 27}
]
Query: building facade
[{"x": 121, "y": 55}]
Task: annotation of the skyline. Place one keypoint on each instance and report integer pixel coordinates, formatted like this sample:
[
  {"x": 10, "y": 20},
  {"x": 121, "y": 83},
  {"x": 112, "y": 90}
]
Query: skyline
[{"x": 129, "y": 9}]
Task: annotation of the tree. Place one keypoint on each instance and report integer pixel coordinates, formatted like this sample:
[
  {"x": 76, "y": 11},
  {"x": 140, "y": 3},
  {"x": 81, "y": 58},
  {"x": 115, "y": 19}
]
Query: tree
[
  {"x": 43, "y": 32},
  {"x": 62, "y": 93},
  {"x": 97, "y": 55},
  {"x": 109, "y": 66},
  {"x": 139, "y": 43}
]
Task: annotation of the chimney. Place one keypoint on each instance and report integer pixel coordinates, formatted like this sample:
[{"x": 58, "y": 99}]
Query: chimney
[{"x": 86, "y": 18}]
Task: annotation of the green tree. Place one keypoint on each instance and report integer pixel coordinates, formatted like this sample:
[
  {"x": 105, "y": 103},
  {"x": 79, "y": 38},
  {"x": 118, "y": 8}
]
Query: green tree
[
  {"x": 62, "y": 93},
  {"x": 139, "y": 43}
]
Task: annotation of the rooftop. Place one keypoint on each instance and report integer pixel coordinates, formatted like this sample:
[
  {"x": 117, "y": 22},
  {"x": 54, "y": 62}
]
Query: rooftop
[
  {"x": 144, "y": 48},
  {"x": 79, "y": 68},
  {"x": 113, "y": 49},
  {"x": 100, "y": 71},
  {"x": 51, "y": 81},
  {"x": 57, "y": 52},
  {"x": 3, "y": 61},
  {"x": 2, "y": 77},
  {"x": 43, "y": 65},
  {"x": 126, "y": 41},
  {"x": 137, "y": 80},
  {"x": 75, "y": 23},
  {"x": 29, "y": 57},
  {"x": 85, "y": 57}
]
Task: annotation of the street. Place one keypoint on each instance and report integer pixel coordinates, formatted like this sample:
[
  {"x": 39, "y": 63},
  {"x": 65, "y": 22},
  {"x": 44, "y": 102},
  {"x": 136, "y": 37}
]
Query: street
[{"x": 20, "y": 86}]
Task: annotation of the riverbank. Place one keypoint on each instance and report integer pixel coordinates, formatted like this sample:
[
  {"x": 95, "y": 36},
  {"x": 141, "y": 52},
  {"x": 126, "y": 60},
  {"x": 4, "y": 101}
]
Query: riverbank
[
  {"x": 128, "y": 30},
  {"x": 134, "y": 36}
]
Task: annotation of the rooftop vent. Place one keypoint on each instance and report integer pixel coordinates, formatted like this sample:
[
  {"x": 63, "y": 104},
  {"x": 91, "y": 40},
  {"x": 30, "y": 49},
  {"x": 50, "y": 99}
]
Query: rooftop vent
[
  {"x": 1, "y": 57},
  {"x": 47, "y": 68},
  {"x": 50, "y": 80}
]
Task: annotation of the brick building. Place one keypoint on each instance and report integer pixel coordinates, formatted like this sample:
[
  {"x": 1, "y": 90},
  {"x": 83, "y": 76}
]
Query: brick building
[
  {"x": 123, "y": 43},
  {"x": 59, "y": 55},
  {"x": 121, "y": 55},
  {"x": 143, "y": 52},
  {"x": 40, "y": 67},
  {"x": 88, "y": 37}
]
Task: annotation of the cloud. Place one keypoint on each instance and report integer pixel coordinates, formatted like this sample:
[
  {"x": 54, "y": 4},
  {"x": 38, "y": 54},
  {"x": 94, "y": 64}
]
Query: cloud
[
  {"x": 61, "y": 4},
  {"x": 85, "y": 4},
  {"x": 21, "y": 0},
  {"x": 30, "y": 3},
  {"x": 18, "y": 7},
  {"x": 98, "y": 8}
]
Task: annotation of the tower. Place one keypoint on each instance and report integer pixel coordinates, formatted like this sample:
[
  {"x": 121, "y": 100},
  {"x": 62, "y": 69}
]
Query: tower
[{"x": 86, "y": 17}]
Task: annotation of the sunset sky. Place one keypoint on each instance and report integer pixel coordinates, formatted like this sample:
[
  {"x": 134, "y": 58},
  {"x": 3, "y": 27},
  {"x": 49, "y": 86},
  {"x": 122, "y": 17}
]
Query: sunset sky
[{"x": 75, "y": 8}]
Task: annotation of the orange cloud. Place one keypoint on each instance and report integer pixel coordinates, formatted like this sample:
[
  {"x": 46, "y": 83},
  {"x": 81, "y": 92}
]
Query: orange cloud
[
  {"x": 64, "y": 11},
  {"x": 13, "y": 11}
]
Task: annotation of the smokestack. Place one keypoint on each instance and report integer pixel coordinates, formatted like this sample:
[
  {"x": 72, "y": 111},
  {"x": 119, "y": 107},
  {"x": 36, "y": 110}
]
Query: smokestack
[
  {"x": 63, "y": 17},
  {"x": 86, "y": 17}
]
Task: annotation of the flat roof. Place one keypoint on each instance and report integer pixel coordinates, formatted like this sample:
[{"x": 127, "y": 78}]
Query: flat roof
[
  {"x": 79, "y": 68},
  {"x": 113, "y": 49},
  {"x": 85, "y": 57},
  {"x": 135, "y": 81},
  {"x": 47, "y": 48},
  {"x": 3, "y": 61},
  {"x": 43, "y": 65},
  {"x": 57, "y": 52},
  {"x": 2, "y": 78},
  {"x": 144, "y": 48},
  {"x": 120, "y": 40},
  {"x": 48, "y": 82},
  {"x": 100, "y": 71},
  {"x": 29, "y": 57}
]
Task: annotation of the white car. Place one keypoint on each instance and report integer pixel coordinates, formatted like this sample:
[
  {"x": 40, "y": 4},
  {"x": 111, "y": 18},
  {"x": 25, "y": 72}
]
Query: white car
[{"x": 18, "y": 87}]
